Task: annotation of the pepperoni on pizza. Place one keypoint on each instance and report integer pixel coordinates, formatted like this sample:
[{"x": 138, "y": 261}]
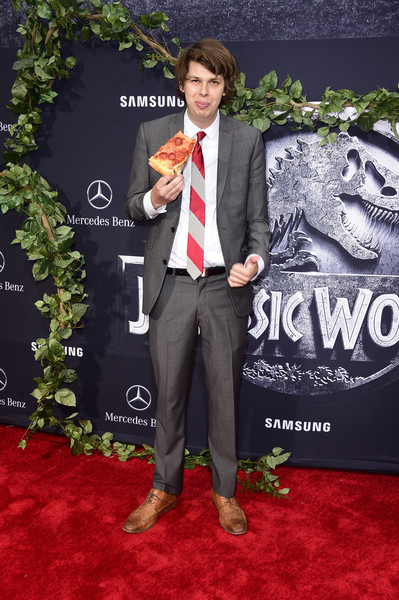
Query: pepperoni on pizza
[{"x": 172, "y": 156}]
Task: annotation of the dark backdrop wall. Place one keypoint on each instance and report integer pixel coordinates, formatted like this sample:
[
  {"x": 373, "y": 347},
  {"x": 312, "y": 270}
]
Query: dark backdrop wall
[{"x": 320, "y": 377}]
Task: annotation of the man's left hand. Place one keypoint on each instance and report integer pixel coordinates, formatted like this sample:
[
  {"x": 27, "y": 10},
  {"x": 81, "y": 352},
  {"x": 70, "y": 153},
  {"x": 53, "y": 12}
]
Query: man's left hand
[{"x": 240, "y": 274}]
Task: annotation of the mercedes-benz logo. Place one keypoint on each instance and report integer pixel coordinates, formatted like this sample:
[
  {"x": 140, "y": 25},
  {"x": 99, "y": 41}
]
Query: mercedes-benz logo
[
  {"x": 138, "y": 397},
  {"x": 99, "y": 194},
  {"x": 3, "y": 380},
  {"x": 2, "y": 261}
]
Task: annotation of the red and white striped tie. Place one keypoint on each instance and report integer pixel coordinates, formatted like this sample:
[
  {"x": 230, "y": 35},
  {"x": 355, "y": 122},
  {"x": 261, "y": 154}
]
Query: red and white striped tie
[{"x": 196, "y": 222}]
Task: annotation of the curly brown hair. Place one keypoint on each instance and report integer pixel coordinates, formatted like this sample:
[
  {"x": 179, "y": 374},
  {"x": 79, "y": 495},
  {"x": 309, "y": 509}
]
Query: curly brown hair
[{"x": 215, "y": 57}]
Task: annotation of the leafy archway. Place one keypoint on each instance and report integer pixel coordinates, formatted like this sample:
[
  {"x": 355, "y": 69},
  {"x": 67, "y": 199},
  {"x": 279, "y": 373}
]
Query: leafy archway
[{"x": 49, "y": 242}]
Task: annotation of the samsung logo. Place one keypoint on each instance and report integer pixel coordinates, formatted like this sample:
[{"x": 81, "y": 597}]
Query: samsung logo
[
  {"x": 69, "y": 350},
  {"x": 150, "y": 102},
  {"x": 290, "y": 425}
]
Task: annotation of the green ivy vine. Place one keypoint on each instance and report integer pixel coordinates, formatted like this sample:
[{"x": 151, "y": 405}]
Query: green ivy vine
[{"x": 48, "y": 241}]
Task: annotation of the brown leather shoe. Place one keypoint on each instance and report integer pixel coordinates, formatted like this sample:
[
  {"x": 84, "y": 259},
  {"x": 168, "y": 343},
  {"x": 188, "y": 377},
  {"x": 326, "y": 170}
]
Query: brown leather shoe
[
  {"x": 231, "y": 516},
  {"x": 146, "y": 515}
]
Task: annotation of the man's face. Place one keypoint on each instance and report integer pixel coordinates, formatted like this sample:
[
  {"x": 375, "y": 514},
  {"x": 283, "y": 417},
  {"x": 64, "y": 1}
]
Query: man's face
[{"x": 203, "y": 91}]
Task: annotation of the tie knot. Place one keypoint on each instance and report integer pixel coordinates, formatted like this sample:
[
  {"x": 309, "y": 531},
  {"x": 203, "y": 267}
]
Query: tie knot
[{"x": 200, "y": 136}]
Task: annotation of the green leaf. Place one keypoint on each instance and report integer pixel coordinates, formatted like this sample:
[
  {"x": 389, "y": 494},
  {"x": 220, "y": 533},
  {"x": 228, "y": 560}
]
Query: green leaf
[
  {"x": 150, "y": 63},
  {"x": 48, "y": 96},
  {"x": 78, "y": 310},
  {"x": 323, "y": 131},
  {"x": 40, "y": 72},
  {"x": 86, "y": 33},
  {"x": 277, "y": 450},
  {"x": 365, "y": 121},
  {"x": 344, "y": 126},
  {"x": 44, "y": 11},
  {"x": 24, "y": 63},
  {"x": 296, "y": 90},
  {"x": 259, "y": 93},
  {"x": 19, "y": 89},
  {"x": 54, "y": 325},
  {"x": 65, "y": 397},
  {"x": 106, "y": 451},
  {"x": 262, "y": 124},
  {"x": 56, "y": 348},
  {"x": 95, "y": 27},
  {"x": 176, "y": 42},
  {"x": 40, "y": 270},
  {"x": 167, "y": 73},
  {"x": 281, "y": 97},
  {"x": 73, "y": 415},
  {"x": 70, "y": 62},
  {"x": 287, "y": 82},
  {"x": 86, "y": 424},
  {"x": 332, "y": 137},
  {"x": 269, "y": 81}
]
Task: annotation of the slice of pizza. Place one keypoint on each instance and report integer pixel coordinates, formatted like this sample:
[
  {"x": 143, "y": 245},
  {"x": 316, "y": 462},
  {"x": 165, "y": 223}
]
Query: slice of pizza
[{"x": 172, "y": 156}]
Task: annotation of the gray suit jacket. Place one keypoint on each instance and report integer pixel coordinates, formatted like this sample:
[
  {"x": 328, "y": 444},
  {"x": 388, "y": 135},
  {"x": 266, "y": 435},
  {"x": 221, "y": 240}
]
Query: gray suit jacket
[{"x": 241, "y": 202}]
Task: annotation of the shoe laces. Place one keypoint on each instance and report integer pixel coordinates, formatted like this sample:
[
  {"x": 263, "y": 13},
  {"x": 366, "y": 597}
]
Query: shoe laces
[{"x": 152, "y": 497}]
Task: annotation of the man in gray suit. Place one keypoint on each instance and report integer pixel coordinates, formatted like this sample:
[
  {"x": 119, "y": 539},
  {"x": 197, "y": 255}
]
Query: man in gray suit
[{"x": 218, "y": 302}]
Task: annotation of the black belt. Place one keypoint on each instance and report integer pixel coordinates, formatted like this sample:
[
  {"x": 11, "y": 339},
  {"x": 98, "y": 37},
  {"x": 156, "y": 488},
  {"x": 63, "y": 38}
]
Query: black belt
[{"x": 205, "y": 273}]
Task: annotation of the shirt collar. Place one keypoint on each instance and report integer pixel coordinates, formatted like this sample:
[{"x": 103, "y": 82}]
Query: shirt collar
[{"x": 191, "y": 130}]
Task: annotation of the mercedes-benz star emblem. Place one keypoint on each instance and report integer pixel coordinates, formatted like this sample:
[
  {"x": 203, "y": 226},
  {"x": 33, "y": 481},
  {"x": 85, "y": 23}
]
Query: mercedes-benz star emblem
[
  {"x": 99, "y": 194},
  {"x": 138, "y": 397},
  {"x": 3, "y": 380},
  {"x": 2, "y": 261}
]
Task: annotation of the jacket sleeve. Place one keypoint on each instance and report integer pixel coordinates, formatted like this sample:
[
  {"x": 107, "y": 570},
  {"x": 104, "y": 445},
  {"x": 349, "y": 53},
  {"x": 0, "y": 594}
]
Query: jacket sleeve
[
  {"x": 140, "y": 182},
  {"x": 258, "y": 232}
]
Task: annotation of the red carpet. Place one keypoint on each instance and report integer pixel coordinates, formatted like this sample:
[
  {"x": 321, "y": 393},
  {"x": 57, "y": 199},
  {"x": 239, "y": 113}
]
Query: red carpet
[{"x": 335, "y": 537}]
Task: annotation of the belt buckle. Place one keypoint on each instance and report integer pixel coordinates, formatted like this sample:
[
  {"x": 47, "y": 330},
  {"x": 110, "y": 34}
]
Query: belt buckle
[{"x": 205, "y": 273}]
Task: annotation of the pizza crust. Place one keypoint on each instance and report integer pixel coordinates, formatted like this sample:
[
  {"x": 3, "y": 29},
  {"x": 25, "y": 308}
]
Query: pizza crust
[{"x": 161, "y": 168}]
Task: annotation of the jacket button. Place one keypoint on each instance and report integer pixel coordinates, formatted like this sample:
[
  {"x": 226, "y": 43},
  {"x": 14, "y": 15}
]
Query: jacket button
[
  {"x": 165, "y": 262},
  {"x": 173, "y": 229}
]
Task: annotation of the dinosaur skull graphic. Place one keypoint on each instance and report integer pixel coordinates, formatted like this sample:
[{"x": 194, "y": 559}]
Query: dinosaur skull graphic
[{"x": 343, "y": 193}]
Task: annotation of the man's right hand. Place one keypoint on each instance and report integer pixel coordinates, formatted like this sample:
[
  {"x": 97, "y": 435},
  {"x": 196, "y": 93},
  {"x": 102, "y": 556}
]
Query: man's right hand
[{"x": 166, "y": 190}]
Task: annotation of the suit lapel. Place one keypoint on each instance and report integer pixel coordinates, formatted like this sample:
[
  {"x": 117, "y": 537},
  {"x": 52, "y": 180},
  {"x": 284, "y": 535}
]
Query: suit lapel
[
  {"x": 176, "y": 124},
  {"x": 225, "y": 144}
]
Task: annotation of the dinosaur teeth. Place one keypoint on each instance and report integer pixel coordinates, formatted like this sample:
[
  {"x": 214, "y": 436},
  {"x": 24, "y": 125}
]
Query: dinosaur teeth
[
  {"x": 273, "y": 173},
  {"x": 349, "y": 225},
  {"x": 374, "y": 212}
]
